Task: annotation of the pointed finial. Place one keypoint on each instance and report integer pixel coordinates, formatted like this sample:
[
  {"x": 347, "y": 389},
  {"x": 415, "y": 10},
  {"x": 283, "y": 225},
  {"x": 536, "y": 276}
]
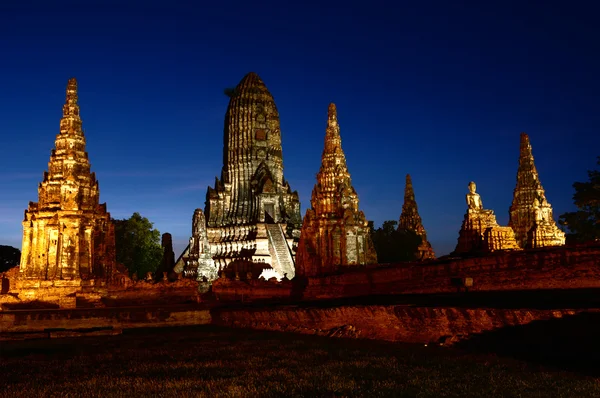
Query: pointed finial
[
  {"x": 409, "y": 194},
  {"x": 71, "y": 120},
  {"x": 332, "y": 113},
  {"x": 525, "y": 145},
  {"x": 72, "y": 90}
]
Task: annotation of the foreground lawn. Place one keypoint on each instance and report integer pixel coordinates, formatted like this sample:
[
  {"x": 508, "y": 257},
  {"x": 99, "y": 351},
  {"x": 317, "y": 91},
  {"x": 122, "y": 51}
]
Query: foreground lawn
[{"x": 207, "y": 361}]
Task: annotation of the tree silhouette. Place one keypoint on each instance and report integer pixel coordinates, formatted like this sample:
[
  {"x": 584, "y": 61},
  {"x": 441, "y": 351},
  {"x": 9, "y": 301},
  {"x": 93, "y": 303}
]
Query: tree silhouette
[
  {"x": 9, "y": 257},
  {"x": 584, "y": 224},
  {"x": 138, "y": 245},
  {"x": 394, "y": 245}
]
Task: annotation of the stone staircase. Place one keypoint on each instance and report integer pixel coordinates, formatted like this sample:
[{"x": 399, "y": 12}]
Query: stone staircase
[{"x": 282, "y": 250}]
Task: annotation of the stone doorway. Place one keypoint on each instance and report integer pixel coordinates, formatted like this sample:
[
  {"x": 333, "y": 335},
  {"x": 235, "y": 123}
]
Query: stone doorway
[{"x": 269, "y": 213}]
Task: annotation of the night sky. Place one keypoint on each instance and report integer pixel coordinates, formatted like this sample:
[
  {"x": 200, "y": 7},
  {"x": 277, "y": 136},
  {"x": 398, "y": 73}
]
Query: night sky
[{"x": 436, "y": 90}]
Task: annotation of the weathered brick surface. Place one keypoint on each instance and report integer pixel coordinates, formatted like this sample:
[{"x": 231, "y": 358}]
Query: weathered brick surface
[
  {"x": 547, "y": 268},
  {"x": 393, "y": 322},
  {"x": 125, "y": 318}
]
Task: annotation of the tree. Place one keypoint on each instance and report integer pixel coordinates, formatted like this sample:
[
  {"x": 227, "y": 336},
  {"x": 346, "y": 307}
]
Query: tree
[
  {"x": 9, "y": 257},
  {"x": 584, "y": 224},
  {"x": 138, "y": 245},
  {"x": 393, "y": 245}
]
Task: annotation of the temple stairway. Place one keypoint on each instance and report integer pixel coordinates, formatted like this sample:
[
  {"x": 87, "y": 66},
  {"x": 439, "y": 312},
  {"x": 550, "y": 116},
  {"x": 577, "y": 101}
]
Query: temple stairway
[{"x": 282, "y": 250}]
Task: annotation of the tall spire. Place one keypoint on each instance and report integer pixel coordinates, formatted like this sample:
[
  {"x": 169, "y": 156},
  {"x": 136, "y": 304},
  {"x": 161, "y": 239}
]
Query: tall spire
[
  {"x": 335, "y": 233},
  {"x": 68, "y": 234},
  {"x": 71, "y": 120},
  {"x": 530, "y": 206},
  {"x": 333, "y": 178},
  {"x": 411, "y": 220}
]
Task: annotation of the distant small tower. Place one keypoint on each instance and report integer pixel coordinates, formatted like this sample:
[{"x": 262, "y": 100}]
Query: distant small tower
[
  {"x": 335, "y": 234},
  {"x": 68, "y": 234},
  {"x": 410, "y": 220},
  {"x": 168, "y": 261},
  {"x": 530, "y": 214}
]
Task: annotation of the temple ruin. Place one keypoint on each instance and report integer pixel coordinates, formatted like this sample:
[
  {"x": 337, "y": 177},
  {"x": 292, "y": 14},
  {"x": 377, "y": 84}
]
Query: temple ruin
[
  {"x": 252, "y": 216},
  {"x": 67, "y": 235},
  {"x": 480, "y": 232},
  {"x": 196, "y": 260},
  {"x": 335, "y": 234},
  {"x": 410, "y": 220},
  {"x": 530, "y": 213}
]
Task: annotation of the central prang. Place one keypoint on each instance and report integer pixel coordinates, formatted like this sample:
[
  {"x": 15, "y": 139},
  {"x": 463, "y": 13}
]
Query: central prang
[{"x": 252, "y": 216}]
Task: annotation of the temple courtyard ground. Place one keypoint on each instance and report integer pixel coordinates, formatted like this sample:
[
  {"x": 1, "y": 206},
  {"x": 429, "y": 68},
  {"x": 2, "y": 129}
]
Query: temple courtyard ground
[{"x": 542, "y": 360}]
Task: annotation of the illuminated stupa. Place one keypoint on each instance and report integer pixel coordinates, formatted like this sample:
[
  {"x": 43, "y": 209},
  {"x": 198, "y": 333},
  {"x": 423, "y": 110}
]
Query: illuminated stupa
[
  {"x": 68, "y": 235},
  {"x": 335, "y": 233},
  {"x": 530, "y": 213}
]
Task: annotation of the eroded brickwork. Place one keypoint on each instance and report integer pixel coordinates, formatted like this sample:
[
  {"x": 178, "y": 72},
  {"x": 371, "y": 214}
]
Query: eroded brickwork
[
  {"x": 68, "y": 234},
  {"x": 335, "y": 233},
  {"x": 253, "y": 217},
  {"x": 410, "y": 220},
  {"x": 530, "y": 213}
]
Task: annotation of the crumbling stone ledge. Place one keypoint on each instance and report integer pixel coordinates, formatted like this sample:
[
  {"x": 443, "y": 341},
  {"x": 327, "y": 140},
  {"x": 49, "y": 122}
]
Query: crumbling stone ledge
[{"x": 392, "y": 322}]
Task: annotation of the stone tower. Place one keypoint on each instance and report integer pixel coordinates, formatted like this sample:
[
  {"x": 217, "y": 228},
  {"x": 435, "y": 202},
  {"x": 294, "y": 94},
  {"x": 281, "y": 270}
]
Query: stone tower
[
  {"x": 252, "y": 215},
  {"x": 196, "y": 260},
  {"x": 68, "y": 234},
  {"x": 168, "y": 261},
  {"x": 530, "y": 214},
  {"x": 335, "y": 234},
  {"x": 410, "y": 220}
]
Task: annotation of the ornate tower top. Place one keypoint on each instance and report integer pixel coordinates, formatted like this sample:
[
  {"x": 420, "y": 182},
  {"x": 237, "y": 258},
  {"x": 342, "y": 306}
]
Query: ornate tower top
[
  {"x": 333, "y": 178},
  {"x": 71, "y": 121},
  {"x": 252, "y": 173},
  {"x": 410, "y": 218},
  {"x": 69, "y": 184},
  {"x": 252, "y": 127},
  {"x": 527, "y": 175}
]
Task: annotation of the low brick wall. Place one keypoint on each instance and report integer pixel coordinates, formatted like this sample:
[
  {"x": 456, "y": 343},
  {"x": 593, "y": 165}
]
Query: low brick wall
[
  {"x": 548, "y": 268},
  {"x": 21, "y": 294},
  {"x": 224, "y": 289},
  {"x": 32, "y": 321}
]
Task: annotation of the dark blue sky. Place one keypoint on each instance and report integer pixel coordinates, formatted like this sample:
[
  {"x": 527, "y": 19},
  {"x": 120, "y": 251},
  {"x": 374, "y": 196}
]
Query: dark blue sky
[{"x": 434, "y": 89}]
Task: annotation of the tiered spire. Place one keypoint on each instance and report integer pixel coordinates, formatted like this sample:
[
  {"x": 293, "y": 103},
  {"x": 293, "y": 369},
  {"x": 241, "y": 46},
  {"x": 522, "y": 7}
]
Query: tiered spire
[
  {"x": 411, "y": 220},
  {"x": 69, "y": 173},
  {"x": 335, "y": 233},
  {"x": 67, "y": 233},
  {"x": 530, "y": 206},
  {"x": 334, "y": 191}
]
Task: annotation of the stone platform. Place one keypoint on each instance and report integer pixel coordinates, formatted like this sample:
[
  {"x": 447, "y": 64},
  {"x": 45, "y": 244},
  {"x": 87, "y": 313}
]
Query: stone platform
[
  {"x": 21, "y": 324},
  {"x": 424, "y": 319}
]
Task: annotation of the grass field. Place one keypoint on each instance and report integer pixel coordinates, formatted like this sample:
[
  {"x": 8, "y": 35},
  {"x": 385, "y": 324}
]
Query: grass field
[{"x": 208, "y": 361}]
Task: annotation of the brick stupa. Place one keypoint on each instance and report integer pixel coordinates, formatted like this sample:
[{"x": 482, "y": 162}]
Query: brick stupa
[
  {"x": 335, "y": 234},
  {"x": 530, "y": 213},
  {"x": 410, "y": 220},
  {"x": 68, "y": 236}
]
